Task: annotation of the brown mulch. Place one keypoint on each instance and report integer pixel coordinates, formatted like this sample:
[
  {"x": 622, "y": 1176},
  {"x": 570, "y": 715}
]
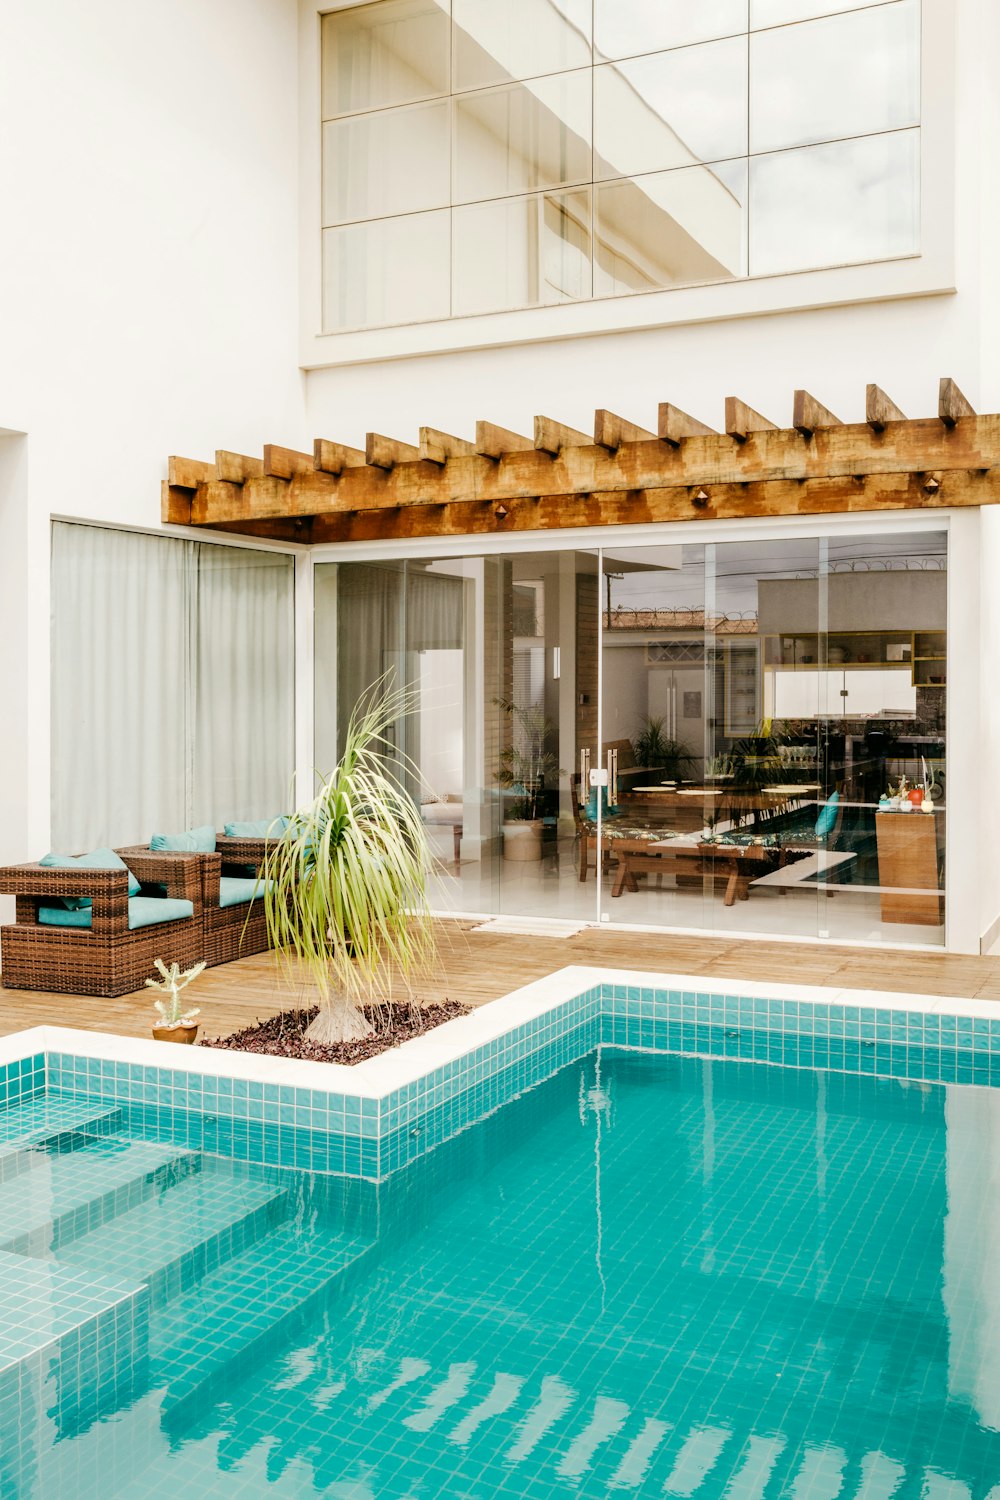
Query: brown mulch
[{"x": 283, "y": 1035}]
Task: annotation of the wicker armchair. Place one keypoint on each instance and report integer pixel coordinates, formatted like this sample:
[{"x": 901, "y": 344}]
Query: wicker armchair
[
  {"x": 230, "y": 931},
  {"x": 108, "y": 958}
]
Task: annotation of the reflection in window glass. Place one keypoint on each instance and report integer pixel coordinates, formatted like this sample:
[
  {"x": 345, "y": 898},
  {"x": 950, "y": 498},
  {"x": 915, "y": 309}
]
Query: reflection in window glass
[
  {"x": 671, "y": 110},
  {"x": 387, "y": 271},
  {"x": 626, "y": 28},
  {"x": 390, "y": 52},
  {"x": 670, "y": 228},
  {"x": 495, "y": 41},
  {"x": 848, "y": 75},
  {"x": 394, "y": 161},
  {"x": 777, "y": 12},
  {"x": 522, "y": 252},
  {"x": 835, "y": 205},
  {"x": 529, "y": 135}
]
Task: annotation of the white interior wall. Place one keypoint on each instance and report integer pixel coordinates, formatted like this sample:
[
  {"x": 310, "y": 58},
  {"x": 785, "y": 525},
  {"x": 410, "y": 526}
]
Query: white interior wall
[{"x": 148, "y": 267}]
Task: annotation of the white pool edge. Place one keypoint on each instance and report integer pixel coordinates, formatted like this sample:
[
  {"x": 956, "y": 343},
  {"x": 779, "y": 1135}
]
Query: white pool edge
[{"x": 414, "y": 1060}]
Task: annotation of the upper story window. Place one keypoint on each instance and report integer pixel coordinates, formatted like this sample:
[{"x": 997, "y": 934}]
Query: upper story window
[{"x": 485, "y": 155}]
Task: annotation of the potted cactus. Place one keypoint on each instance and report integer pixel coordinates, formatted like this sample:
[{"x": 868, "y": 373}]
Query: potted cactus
[{"x": 177, "y": 1023}]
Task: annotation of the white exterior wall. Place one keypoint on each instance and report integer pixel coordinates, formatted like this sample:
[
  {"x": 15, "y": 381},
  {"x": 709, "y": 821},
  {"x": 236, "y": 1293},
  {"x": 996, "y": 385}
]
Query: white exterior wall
[
  {"x": 148, "y": 289},
  {"x": 158, "y": 294}
]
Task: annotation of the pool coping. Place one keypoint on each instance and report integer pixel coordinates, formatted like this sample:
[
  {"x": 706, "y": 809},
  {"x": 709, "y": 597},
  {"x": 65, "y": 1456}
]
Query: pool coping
[{"x": 379, "y": 1077}]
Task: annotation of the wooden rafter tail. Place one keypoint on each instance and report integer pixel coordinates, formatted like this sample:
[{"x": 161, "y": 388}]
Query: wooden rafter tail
[
  {"x": 741, "y": 420},
  {"x": 237, "y": 468},
  {"x": 437, "y": 447},
  {"x": 386, "y": 452},
  {"x": 880, "y": 410},
  {"x": 285, "y": 463},
  {"x": 810, "y": 415},
  {"x": 175, "y": 504},
  {"x": 334, "y": 458},
  {"x": 188, "y": 473},
  {"x": 552, "y": 437},
  {"x": 674, "y": 425},
  {"x": 610, "y": 431},
  {"x": 952, "y": 405},
  {"x": 496, "y": 442}
]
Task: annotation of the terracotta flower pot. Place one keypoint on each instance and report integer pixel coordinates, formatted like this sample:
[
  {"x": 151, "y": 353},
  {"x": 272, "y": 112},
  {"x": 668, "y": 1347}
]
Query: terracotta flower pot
[{"x": 183, "y": 1034}]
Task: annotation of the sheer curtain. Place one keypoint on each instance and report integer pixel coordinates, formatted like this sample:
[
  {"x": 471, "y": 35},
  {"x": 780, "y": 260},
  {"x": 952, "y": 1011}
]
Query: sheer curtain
[
  {"x": 172, "y": 684},
  {"x": 373, "y": 619}
]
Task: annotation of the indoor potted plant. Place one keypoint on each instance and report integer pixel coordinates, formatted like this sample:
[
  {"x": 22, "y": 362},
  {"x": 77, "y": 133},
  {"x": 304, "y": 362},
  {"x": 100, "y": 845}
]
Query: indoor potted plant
[
  {"x": 177, "y": 1023},
  {"x": 525, "y": 765},
  {"x": 655, "y": 751},
  {"x": 345, "y": 887}
]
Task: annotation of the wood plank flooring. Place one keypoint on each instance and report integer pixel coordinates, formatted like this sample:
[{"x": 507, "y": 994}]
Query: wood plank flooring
[{"x": 477, "y": 967}]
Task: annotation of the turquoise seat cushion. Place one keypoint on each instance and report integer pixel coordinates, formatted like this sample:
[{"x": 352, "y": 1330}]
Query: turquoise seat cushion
[
  {"x": 143, "y": 911},
  {"x": 98, "y": 859},
  {"x": 827, "y": 819},
  {"x": 263, "y": 828},
  {"x": 234, "y": 891},
  {"x": 194, "y": 841}
]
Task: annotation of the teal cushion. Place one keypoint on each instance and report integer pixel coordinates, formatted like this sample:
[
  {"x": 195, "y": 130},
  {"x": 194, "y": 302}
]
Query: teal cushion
[
  {"x": 143, "y": 911},
  {"x": 149, "y": 911},
  {"x": 194, "y": 841},
  {"x": 828, "y": 816},
  {"x": 98, "y": 859},
  {"x": 233, "y": 891},
  {"x": 58, "y": 916},
  {"x": 262, "y": 829}
]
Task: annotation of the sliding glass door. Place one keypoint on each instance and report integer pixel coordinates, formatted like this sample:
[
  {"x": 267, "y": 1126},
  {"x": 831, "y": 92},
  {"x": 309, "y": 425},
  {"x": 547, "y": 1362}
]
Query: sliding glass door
[
  {"x": 764, "y": 719},
  {"x": 775, "y": 713}
]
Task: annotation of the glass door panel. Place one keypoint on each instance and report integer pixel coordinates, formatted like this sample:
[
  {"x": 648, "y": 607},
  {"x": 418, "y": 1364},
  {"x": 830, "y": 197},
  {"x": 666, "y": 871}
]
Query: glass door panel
[
  {"x": 541, "y": 714},
  {"x": 658, "y": 682}
]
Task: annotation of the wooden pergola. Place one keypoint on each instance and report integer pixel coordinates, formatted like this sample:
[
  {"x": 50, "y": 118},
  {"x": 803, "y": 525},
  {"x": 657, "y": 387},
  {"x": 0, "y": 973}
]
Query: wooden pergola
[{"x": 621, "y": 475}]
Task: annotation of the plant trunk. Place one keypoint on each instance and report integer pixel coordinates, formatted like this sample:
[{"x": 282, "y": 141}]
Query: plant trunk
[{"x": 338, "y": 1021}]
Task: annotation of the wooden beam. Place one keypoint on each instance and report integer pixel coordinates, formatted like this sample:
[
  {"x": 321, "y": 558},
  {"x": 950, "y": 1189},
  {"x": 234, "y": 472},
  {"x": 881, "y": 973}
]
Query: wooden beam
[
  {"x": 925, "y": 446},
  {"x": 188, "y": 473},
  {"x": 236, "y": 468},
  {"x": 810, "y": 415},
  {"x": 611, "y": 431},
  {"x": 879, "y": 410},
  {"x": 334, "y": 458},
  {"x": 952, "y": 405},
  {"x": 437, "y": 447},
  {"x": 283, "y": 463},
  {"x": 741, "y": 420},
  {"x": 552, "y": 437},
  {"x": 779, "y": 498},
  {"x": 497, "y": 442},
  {"x": 294, "y": 529},
  {"x": 674, "y": 425},
  {"x": 386, "y": 452}
]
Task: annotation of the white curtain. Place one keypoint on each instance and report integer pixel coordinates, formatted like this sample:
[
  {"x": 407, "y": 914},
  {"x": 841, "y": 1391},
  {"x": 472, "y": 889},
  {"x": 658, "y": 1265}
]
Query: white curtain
[{"x": 172, "y": 685}]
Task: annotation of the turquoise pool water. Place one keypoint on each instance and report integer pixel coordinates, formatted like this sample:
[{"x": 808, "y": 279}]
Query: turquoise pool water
[{"x": 650, "y": 1275}]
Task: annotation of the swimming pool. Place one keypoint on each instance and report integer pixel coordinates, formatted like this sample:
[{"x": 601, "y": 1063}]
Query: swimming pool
[{"x": 646, "y": 1274}]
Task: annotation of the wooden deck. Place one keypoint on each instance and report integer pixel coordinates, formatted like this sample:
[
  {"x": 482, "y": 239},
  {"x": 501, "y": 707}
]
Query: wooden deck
[{"x": 478, "y": 967}]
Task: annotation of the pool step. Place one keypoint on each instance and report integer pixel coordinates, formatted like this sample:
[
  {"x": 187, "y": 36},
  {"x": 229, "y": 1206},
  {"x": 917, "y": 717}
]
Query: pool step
[
  {"x": 50, "y": 1124},
  {"x": 184, "y": 1232},
  {"x": 221, "y": 1324},
  {"x": 72, "y": 1194}
]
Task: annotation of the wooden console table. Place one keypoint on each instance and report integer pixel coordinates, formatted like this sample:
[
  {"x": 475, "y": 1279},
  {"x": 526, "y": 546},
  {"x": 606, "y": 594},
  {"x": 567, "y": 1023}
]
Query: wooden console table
[{"x": 908, "y": 867}]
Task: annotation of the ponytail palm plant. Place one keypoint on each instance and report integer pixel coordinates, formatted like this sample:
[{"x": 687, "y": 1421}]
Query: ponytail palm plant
[{"x": 346, "y": 884}]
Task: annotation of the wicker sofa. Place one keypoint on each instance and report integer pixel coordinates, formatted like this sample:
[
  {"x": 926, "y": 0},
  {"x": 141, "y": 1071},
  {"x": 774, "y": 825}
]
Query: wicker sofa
[
  {"x": 108, "y": 957},
  {"x": 232, "y": 906}
]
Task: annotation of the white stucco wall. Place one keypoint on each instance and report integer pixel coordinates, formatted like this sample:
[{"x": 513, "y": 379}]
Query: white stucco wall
[{"x": 148, "y": 275}]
